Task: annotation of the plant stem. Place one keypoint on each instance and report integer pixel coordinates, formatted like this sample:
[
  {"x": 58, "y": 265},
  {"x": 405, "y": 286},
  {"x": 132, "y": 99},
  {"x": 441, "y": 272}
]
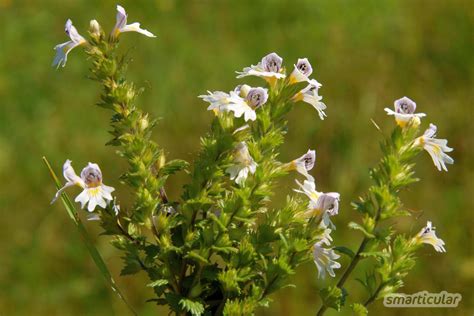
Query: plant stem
[
  {"x": 348, "y": 271},
  {"x": 220, "y": 308},
  {"x": 353, "y": 263},
  {"x": 372, "y": 298}
]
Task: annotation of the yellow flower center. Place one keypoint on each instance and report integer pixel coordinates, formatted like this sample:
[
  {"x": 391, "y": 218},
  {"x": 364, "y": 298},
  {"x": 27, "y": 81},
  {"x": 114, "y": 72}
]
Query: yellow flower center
[{"x": 94, "y": 191}]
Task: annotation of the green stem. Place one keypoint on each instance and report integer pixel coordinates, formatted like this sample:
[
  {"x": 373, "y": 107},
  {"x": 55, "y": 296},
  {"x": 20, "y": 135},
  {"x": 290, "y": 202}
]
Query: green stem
[
  {"x": 355, "y": 260},
  {"x": 373, "y": 297},
  {"x": 221, "y": 306},
  {"x": 347, "y": 272}
]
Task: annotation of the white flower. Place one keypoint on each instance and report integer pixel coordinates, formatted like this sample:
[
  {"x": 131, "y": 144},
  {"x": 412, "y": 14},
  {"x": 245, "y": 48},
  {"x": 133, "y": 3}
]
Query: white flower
[
  {"x": 325, "y": 260},
  {"x": 310, "y": 95},
  {"x": 428, "y": 236},
  {"x": 405, "y": 112},
  {"x": 244, "y": 164},
  {"x": 94, "y": 193},
  {"x": 437, "y": 148},
  {"x": 121, "y": 25},
  {"x": 63, "y": 49},
  {"x": 237, "y": 101},
  {"x": 253, "y": 99},
  {"x": 304, "y": 164},
  {"x": 269, "y": 68},
  {"x": 321, "y": 205},
  {"x": 301, "y": 72},
  {"x": 325, "y": 237}
]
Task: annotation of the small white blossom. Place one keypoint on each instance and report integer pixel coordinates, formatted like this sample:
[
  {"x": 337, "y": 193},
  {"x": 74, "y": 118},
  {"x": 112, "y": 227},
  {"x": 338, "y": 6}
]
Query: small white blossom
[
  {"x": 325, "y": 260},
  {"x": 437, "y": 148},
  {"x": 428, "y": 236},
  {"x": 63, "y": 49},
  {"x": 121, "y": 25},
  {"x": 323, "y": 205},
  {"x": 405, "y": 112},
  {"x": 269, "y": 68},
  {"x": 310, "y": 95},
  {"x": 226, "y": 102},
  {"x": 243, "y": 164},
  {"x": 233, "y": 102},
  {"x": 304, "y": 164},
  {"x": 301, "y": 72},
  {"x": 325, "y": 237},
  {"x": 94, "y": 193}
]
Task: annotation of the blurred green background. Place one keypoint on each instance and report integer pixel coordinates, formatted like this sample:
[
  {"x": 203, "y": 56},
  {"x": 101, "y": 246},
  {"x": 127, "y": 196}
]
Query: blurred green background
[{"x": 366, "y": 54}]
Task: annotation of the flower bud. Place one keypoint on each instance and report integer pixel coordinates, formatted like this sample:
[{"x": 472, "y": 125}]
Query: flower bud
[
  {"x": 243, "y": 90},
  {"x": 94, "y": 28},
  {"x": 143, "y": 123},
  {"x": 161, "y": 161}
]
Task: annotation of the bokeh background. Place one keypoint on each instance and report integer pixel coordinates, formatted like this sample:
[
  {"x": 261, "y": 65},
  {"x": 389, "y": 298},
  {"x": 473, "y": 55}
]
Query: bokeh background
[{"x": 366, "y": 54}]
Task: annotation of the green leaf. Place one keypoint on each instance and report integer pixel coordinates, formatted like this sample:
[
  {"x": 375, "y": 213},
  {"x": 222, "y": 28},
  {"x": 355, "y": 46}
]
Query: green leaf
[
  {"x": 356, "y": 226},
  {"x": 173, "y": 166},
  {"x": 229, "y": 281},
  {"x": 157, "y": 283},
  {"x": 132, "y": 266},
  {"x": 194, "y": 255},
  {"x": 359, "y": 309},
  {"x": 194, "y": 307},
  {"x": 375, "y": 254},
  {"x": 332, "y": 297},
  {"x": 99, "y": 262},
  {"x": 369, "y": 283},
  {"x": 345, "y": 251}
]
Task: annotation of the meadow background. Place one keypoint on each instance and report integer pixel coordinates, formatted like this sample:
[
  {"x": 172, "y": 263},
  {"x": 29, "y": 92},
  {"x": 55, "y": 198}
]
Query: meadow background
[{"x": 366, "y": 54}]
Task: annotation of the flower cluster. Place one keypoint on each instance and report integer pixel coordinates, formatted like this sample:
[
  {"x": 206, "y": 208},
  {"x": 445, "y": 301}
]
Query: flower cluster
[
  {"x": 220, "y": 249},
  {"x": 321, "y": 207},
  {"x": 95, "y": 193},
  {"x": 121, "y": 26},
  {"x": 437, "y": 148},
  {"x": 245, "y": 100}
]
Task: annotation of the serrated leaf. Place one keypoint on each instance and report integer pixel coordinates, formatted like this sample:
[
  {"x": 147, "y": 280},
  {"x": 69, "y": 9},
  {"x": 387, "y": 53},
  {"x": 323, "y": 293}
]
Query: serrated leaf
[
  {"x": 173, "y": 166},
  {"x": 332, "y": 297},
  {"x": 359, "y": 309},
  {"x": 132, "y": 266},
  {"x": 194, "y": 307},
  {"x": 356, "y": 226},
  {"x": 157, "y": 283},
  {"x": 194, "y": 255}
]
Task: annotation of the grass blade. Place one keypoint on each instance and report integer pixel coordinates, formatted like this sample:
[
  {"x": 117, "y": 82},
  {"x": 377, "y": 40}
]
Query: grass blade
[{"x": 99, "y": 262}]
